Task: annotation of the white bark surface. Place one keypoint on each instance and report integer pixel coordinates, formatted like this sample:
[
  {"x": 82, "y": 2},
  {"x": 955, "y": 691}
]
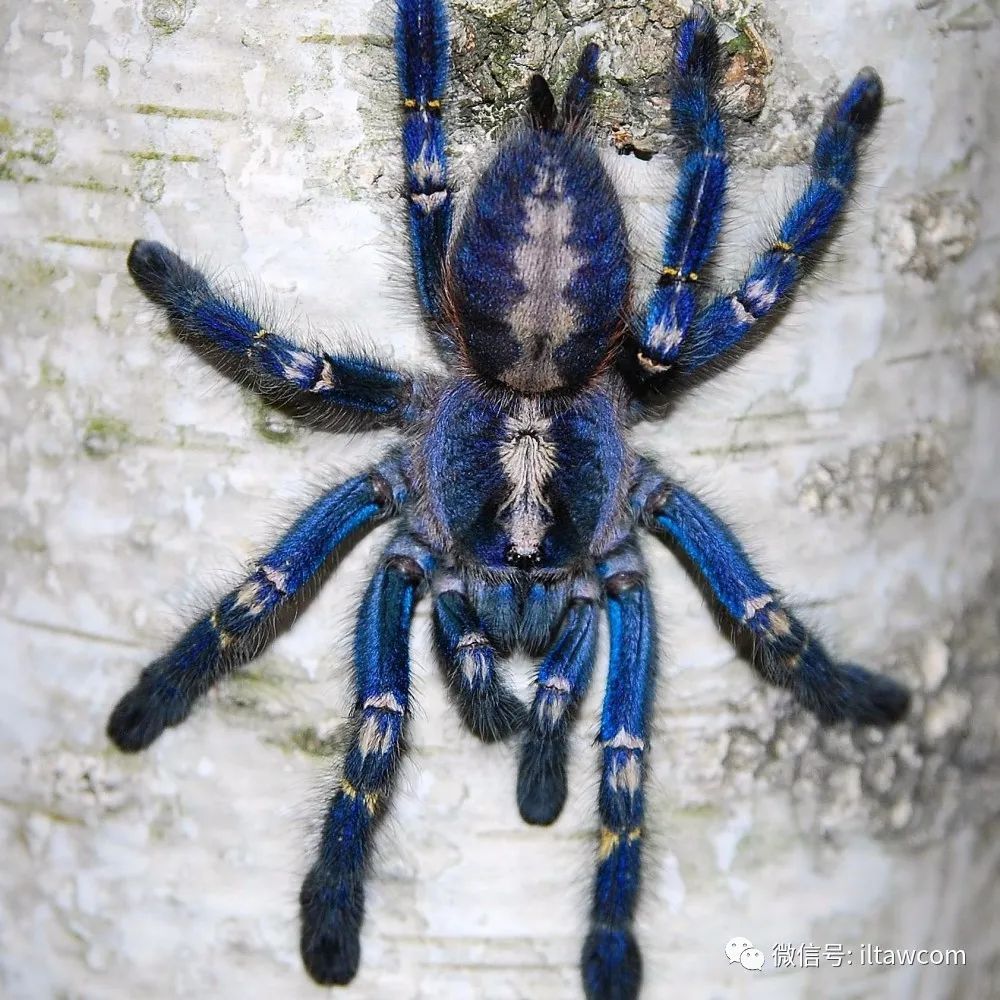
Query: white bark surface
[{"x": 856, "y": 451}]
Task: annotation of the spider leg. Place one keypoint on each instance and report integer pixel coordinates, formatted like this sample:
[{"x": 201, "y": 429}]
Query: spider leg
[
  {"x": 332, "y": 897},
  {"x": 696, "y": 210},
  {"x": 242, "y": 623},
  {"x": 542, "y": 109},
  {"x": 485, "y": 702},
  {"x": 541, "y": 104},
  {"x": 562, "y": 682},
  {"x": 777, "y": 644},
  {"x": 580, "y": 89},
  {"x": 772, "y": 277},
  {"x": 422, "y": 66},
  {"x": 611, "y": 963},
  {"x": 356, "y": 389}
]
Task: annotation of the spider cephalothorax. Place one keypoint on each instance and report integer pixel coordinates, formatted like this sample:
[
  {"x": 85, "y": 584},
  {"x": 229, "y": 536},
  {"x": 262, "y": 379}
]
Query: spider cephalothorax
[{"x": 518, "y": 496}]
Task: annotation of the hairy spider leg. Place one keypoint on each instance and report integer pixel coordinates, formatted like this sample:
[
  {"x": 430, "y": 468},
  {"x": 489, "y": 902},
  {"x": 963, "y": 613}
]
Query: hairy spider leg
[
  {"x": 422, "y": 66},
  {"x": 611, "y": 963},
  {"x": 561, "y": 683},
  {"x": 358, "y": 390},
  {"x": 695, "y": 214},
  {"x": 541, "y": 104},
  {"x": 478, "y": 684},
  {"x": 242, "y": 623},
  {"x": 580, "y": 89},
  {"x": 778, "y": 645},
  {"x": 542, "y": 108},
  {"x": 772, "y": 277},
  {"x": 333, "y": 896}
]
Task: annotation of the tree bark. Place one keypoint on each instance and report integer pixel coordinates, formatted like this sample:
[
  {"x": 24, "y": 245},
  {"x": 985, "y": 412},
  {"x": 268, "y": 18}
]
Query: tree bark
[{"x": 855, "y": 451}]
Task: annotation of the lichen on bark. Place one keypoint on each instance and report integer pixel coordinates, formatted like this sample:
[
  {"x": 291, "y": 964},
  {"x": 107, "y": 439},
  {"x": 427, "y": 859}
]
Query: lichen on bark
[{"x": 497, "y": 44}]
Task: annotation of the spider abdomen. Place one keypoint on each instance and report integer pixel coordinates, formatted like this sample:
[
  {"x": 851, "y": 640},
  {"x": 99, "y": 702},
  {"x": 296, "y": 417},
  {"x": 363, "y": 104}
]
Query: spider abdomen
[
  {"x": 530, "y": 485},
  {"x": 539, "y": 274}
]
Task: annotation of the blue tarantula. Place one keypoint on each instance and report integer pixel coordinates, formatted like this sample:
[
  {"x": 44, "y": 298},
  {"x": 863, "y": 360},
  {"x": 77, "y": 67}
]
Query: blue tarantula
[{"x": 518, "y": 495}]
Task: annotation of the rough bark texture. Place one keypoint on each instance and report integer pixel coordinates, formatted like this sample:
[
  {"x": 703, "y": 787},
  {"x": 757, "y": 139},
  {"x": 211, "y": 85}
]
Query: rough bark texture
[{"x": 856, "y": 450}]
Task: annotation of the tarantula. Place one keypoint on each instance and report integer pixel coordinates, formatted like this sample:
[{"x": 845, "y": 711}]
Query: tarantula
[{"x": 518, "y": 495}]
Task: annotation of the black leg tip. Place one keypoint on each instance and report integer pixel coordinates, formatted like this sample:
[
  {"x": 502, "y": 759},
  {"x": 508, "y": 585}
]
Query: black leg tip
[
  {"x": 147, "y": 709},
  {"x": 331, "y": 931},
  {"x": 149, "y": 260},
  {"x": 886, "y": 701},
  {"x": 135, "y": 722},
  {"x": 586, "y": 65},
  {"x": 611, "y": 965},
  {"x": 541, "y": 779},
  {"x": 861, "y": 104},
  {"x": 697, "y": 47},
  {"x": 865, "y": 699},
  {"x": 541, "y": 103},
  {"x": 331, "y": 959},
  {"x": 159, "y": 272}
]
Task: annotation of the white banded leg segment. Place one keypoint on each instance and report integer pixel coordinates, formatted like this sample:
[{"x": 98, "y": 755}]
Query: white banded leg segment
[
  {"x": 332, "y": 899},
  {"x": 422, "y": 63},
  {"x": 612, "y": 964},
  {"x": 768, "y": 634},
  {"x": 562, "y": 682},
  {"x": 480, "y": 691},
  {"x": 381, "y": 722},
  {"x": 231, "y": 334},
  {"x": 242, "y": 623}
]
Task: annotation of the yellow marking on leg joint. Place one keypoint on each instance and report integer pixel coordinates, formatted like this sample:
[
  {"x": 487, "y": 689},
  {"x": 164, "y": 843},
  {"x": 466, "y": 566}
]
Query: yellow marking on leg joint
[
  {"x": 609, "y": 841},
  {"x": 782, "y": 247},
  {"x": 412, "y": 104},
  {"x": 224, "y": 637},
  {"x": 246, "y": 597},
  {"x": 794, "y": 661},
  {"x": 778, "y": 622},
  {"x": 676, "y": 274},
  {"x": 371, "y": 802},
  {"x": 348, "y": 789}
]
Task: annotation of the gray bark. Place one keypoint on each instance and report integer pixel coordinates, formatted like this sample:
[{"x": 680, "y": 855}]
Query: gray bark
[{"x": 855, "y": 451}]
